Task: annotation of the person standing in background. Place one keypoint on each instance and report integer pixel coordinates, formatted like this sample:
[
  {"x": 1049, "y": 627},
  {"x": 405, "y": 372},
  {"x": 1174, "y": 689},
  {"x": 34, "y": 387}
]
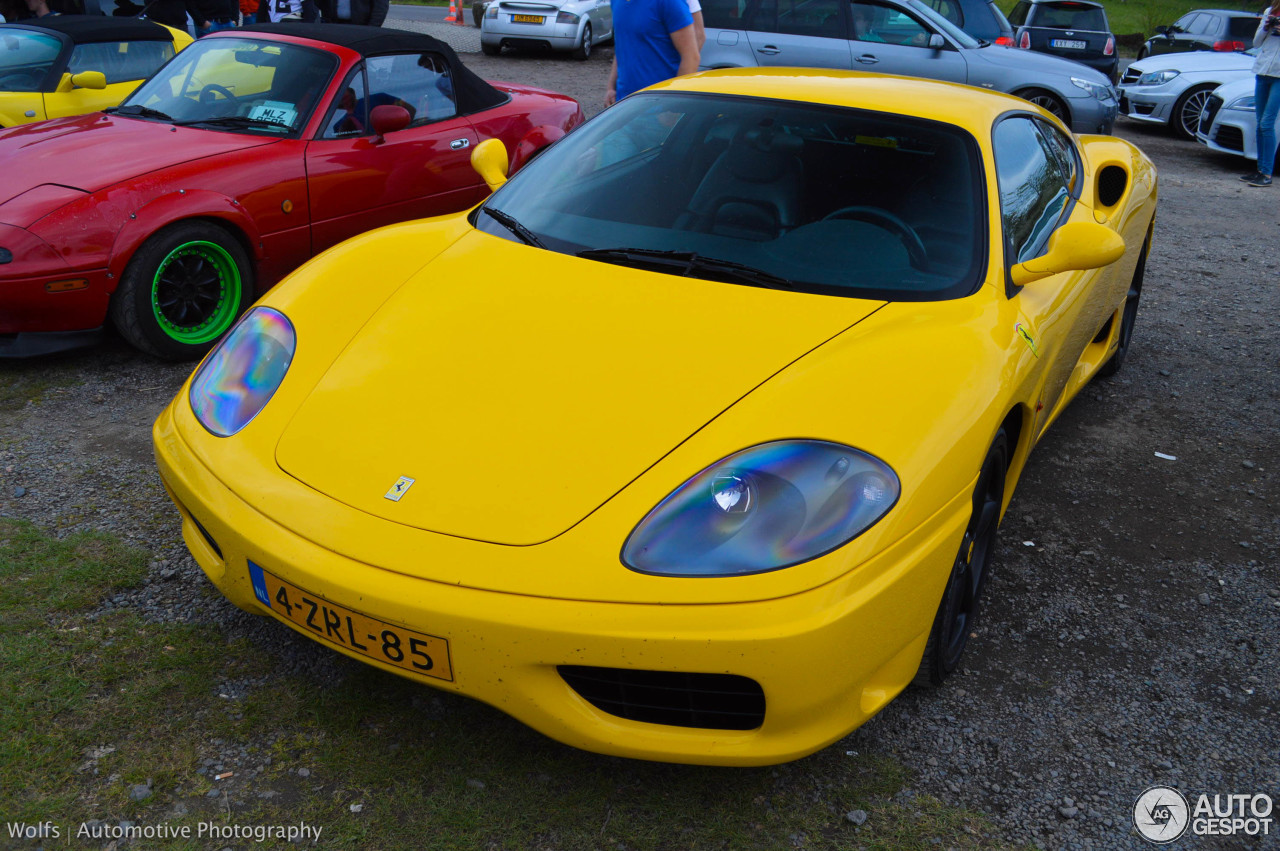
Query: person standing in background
[
  {"x": 370, "y": 12},
  {"x": 699, "y": 28},
  {"x": 1266, "y": 93},
  {"x": 653, "y": 40},
  {"x": 213, "y": 15}
]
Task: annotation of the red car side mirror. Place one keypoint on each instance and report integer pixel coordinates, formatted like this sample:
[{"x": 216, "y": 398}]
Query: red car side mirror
[{"x": 389, "y": 118}]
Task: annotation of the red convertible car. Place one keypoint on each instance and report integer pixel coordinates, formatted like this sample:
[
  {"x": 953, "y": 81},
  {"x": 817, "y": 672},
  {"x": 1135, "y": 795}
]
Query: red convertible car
[{"x": 251, "y": 151}]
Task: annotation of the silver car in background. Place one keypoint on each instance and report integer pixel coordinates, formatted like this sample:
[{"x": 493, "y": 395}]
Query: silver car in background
[
  {"x": 573, "y": 25},
  {"x": 904, "y": 37},
  {"x": 1172, "y": 88},
  {"x": 1229, "y": 121}
]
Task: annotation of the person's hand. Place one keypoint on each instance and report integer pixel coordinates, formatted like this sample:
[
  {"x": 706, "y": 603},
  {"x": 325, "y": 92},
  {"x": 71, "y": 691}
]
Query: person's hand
[{"x": 610, "y": 96}]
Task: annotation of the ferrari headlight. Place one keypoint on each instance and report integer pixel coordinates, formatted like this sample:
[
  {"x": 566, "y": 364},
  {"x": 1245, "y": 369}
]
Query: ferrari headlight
[
  {"x": 1156, "y": 78},
  {"x": 1244, "y": 104},
  {"x": 764, "y": 508},
  {"x": 240, "y": 377}
]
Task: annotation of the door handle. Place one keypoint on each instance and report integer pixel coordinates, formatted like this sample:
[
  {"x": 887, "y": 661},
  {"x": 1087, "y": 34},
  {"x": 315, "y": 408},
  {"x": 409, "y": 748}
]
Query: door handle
[
  {"x": 866, "y": 59},
  {"x": 768, "y": 50},
  {"x": 459, "y": 144}
]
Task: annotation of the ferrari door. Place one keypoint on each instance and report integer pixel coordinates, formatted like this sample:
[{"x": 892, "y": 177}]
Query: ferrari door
[
  {"x": 1038, "y": 174},
  {"x": 360, "y": 180}
]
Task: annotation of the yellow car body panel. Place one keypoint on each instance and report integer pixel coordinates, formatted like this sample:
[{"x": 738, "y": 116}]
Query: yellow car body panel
[{"x": 496, "y": 419}]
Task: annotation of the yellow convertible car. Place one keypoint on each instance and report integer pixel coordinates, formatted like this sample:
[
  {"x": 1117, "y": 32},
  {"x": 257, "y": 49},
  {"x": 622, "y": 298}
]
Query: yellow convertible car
[
  {"x": 75, "y": 64},
  {"x": 691, "y": 442}
]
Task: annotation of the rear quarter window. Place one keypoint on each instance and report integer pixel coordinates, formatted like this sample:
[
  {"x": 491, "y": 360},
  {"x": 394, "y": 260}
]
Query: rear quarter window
[
  {"x": 1070, "y": 16},
  {"x": 1242, "y": 27}
]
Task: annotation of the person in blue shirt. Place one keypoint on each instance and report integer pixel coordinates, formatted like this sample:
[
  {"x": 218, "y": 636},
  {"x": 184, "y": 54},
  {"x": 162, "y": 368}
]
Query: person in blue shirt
[{"x": 653, "y": 40}]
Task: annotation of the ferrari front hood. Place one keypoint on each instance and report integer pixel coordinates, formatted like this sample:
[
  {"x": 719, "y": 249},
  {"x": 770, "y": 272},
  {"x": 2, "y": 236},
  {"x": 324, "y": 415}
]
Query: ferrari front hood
[{"x": 520, "y": 389}]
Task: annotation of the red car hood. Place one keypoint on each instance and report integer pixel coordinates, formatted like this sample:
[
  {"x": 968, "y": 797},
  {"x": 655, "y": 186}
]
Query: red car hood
[{"x": 92, "y": 152}]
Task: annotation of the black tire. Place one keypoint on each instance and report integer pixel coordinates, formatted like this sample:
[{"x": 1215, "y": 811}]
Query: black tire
[
  {"x": 490, "y": 49},
  {"x": 1129, "y": 318},
  {"x": 583, "y": 52},
  {"x": 1049, "y": 102},
  {"x": 1142, "y": 54},
  {"x": 182, "y": 290},
  {"x": 1186, "y": 111},
  {"x": 958, "y": 611}
]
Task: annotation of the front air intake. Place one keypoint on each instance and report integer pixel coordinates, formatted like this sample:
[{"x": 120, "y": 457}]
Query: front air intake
[{"x": 677, "y": 699}]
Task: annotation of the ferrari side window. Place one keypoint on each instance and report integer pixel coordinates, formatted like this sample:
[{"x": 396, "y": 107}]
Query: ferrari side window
[
  {"x": 121, "y": 61},
  {"x": 1034, "y": 196},
  {"x": 1064, "y": 152}
]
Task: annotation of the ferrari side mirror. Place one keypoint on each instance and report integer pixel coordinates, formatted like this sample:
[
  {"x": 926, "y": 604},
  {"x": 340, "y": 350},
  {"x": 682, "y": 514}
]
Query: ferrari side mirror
[
  {"x": 490, "y": 160},
  {"x": 1074, "y": 246}
]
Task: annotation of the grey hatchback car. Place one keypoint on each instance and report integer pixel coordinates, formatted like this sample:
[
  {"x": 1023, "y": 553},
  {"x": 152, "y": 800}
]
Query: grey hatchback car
[{"x": 904, "y": 37}]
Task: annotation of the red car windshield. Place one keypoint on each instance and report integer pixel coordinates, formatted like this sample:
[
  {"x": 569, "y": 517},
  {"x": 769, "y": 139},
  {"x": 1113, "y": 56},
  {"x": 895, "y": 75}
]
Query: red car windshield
[{"x": 236, "y": 84}]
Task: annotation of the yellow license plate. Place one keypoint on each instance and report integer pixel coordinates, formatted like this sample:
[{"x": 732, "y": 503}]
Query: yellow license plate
[
  {"x": 526, "y": 19},
  {"x": 418, "y": 652}
]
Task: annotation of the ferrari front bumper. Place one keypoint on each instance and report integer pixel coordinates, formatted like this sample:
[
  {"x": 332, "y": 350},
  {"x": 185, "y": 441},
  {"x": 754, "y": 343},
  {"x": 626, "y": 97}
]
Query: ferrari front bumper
[{"x": 825, "y": 659}]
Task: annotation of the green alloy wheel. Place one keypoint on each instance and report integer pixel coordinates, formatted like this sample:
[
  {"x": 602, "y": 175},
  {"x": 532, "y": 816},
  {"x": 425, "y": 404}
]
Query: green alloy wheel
[{"x": 183, "y": 290}]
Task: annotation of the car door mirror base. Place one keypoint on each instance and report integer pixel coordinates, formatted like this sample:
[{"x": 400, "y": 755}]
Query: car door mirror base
[{"x": 1073, "y": 247}]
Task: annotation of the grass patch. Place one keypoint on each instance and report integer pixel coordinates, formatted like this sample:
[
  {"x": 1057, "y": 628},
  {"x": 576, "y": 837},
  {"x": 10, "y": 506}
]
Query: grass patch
[
  {"x": 99, "y": 701},
  {"x": 21, "y": 383}
]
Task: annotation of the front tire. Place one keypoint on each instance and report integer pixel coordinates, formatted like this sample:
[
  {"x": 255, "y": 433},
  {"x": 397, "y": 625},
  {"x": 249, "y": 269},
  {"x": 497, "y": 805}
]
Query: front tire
[
  {"x": 958, "y": 611},
  {"x": 1049, "y": 102},
  {"x": 1186, "y": 111},
  {"x": 182, "y": 290},
  {"x": 583, "y": 52},
  {"x": 1128, "y": 319}
]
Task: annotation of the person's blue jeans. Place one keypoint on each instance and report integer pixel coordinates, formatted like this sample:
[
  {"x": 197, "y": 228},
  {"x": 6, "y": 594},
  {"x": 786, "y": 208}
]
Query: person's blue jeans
[{"x": 1266, "y": 103}]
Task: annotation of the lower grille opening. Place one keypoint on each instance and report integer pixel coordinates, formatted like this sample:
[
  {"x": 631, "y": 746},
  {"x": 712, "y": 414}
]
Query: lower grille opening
[{"x": 677, "y": 699}]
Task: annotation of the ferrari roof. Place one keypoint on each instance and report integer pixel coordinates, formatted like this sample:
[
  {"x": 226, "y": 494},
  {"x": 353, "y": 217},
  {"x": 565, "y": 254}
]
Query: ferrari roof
[
  {"x": 471, "y": 93},
  {"x": 86, "y": 29}
]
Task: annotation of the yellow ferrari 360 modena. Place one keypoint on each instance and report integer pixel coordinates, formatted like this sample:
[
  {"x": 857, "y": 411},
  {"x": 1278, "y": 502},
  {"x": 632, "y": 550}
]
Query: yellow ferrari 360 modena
[{"x": 691, "y": 442}]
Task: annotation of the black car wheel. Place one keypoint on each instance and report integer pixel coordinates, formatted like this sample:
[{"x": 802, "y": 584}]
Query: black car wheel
[
  {"x": 1049, "y": 102},
  {"x": 182, "y": 290},
  {"x": 958, "y": 611},
  {"x": 1128, "y": 319}
]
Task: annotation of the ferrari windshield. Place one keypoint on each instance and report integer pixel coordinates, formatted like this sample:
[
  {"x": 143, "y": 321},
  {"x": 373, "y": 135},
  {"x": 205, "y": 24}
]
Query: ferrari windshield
[
  {"x": 236, "y": 84},
  {"x": 767, "y": 193},
  {"x": 25, "y": 59}
]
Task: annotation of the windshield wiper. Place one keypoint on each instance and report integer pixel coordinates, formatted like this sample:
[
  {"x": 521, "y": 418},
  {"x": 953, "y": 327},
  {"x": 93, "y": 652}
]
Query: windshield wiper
[
  {"x": 687, "y": 263},
  {"x": 509, "y": 222},
  {"x": 142, "y": 111},
  {"x": 235, "y": 121}
]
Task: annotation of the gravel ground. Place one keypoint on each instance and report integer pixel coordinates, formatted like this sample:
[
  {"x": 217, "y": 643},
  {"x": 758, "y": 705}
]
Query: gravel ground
[{"x": 1129, "y": 637}]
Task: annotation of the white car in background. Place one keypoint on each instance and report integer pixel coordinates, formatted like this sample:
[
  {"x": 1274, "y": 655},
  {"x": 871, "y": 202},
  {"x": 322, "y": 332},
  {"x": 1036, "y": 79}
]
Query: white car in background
[
  {"x": 573, "y": 25},
  {"x": 1229, "y": 122},
  {"x": 1172, "y": 88}
]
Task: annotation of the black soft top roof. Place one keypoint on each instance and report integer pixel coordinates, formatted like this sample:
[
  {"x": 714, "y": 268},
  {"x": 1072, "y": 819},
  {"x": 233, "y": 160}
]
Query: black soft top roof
[
  {"x": 471, "y": 93},
  {"x": 87, "y": 29}
]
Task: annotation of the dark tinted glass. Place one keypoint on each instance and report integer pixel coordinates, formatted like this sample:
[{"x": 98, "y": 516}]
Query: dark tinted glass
[
  {"x": 121, "y": 61},
  {"x": 1242, "y": 28},
  {"x": 824, "y": 199},
  {"x": 1070, "y": 16},
  {"x": 25, "y": 59}
]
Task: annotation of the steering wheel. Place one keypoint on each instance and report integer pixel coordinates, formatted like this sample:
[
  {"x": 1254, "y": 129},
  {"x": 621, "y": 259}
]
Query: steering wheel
[
  {"x": 916, "y": 251},
  {"x": 207, "y": 93}
]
